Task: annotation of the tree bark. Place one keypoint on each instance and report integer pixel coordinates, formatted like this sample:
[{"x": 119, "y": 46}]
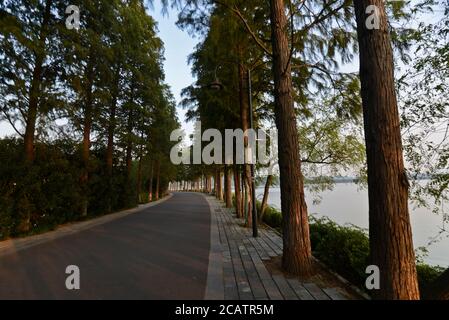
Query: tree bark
[
  {"x": 110, "y": 142},
  {"x": 216, "y": 184},
  {"x": 238, "y": 193},
  {"x": 216, "y": 179},
  {"x": 150, "y": 186},
  {"x": 129, "y": 146},
  {"x": 219, "y": 186},
  {"x": 209, "y": 184},
  {"x": 244, "y": 115},
  {"x": 297, "y": 256},
  {"x": 391, "y": 242},
  {"x": 228, "y": 186},
  {"x": 158, "y": 173},
  {"x": 111, "y": 125},
  {"x": 263, "y": 207},
  {"x": 139, "y": 179},
  {"x": 87, "y": 127}
]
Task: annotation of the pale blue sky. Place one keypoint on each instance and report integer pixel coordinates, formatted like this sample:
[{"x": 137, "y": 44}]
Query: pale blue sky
[{"x": 178, "y": 46}]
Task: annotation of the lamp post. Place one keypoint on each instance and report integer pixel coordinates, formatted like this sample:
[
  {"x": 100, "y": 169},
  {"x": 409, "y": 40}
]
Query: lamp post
[
  {"x": 217, "y": 85},
  {"x": 253, "y": 176}
]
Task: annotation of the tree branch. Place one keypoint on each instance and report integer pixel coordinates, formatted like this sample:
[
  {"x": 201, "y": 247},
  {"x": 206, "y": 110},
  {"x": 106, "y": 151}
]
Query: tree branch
[
  {"x": 320, "y": 17},
  {"x": 237, "y": 12},
  {"x": 292, "y": 37},
  {"x": 7, "y": 117}
]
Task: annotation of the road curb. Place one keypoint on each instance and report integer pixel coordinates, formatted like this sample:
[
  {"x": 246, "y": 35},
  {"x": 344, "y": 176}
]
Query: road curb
[{"x": 215, "y": 280}]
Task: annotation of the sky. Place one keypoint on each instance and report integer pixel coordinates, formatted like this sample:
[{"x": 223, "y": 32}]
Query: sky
[{"x": 178, "y": 46}]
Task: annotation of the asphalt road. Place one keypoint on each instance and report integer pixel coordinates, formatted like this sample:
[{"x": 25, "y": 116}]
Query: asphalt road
[{"x": 161, "y": 252}]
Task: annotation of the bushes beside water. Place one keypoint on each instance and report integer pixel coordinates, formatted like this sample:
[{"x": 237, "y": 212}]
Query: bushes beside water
[{"x": 345, "y": 249}]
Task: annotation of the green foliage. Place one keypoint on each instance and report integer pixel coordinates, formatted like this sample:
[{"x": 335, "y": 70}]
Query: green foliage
[
  {"x": 45, "y": 194},
  {"x": 423, "y": 89},
  {"x": 345, "y": 249},
  {"x": 106, "y": 81},
  {"x": 272, "y": 217},
  {"x": 427, "y": 274},
  {"x": 48, "y": 193}
]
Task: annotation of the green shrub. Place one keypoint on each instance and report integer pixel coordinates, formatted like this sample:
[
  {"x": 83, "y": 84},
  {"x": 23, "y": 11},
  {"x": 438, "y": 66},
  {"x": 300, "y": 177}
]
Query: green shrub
[
  {"x": 273, "y": 218},
  {"x": 345, "y": 249},
  {"x": 38, "y": 197},
  {"x": 427, "y": 274}
]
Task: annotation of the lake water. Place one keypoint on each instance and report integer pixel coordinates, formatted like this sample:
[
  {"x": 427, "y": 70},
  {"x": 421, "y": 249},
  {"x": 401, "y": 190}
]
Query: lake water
[{"x": 346, "y": 204}]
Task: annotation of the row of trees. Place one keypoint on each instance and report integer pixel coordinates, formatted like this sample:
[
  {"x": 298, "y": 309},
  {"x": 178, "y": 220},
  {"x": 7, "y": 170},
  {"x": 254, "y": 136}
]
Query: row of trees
[
  {"x": 90, "y": 108},
  {"x": 294, "y": 50}
]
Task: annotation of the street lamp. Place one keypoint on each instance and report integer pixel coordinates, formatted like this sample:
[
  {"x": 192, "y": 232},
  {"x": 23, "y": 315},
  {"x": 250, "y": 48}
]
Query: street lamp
[{"x": 217, "y": 85}]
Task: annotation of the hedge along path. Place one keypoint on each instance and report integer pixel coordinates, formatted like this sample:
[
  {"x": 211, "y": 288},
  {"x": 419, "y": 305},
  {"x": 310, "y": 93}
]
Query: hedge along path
[{"x": 18, "y": 244}]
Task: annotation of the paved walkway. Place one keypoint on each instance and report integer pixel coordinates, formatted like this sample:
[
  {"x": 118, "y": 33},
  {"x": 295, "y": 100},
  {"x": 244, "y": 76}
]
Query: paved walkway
[
  {"x": 157, "y": 252},
  {"x": 187, "y": 246},
  {"x": 244, "y": 271}
]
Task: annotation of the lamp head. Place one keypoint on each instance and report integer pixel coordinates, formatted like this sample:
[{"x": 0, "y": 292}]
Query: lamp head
[{"x": 216, "y": 85}]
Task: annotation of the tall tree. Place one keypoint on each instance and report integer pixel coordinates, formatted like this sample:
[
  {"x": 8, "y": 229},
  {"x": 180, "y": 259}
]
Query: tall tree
[
  {"x": 314, "y": 41},
  {"x": 391, "y": 242},
  {"x": 297, "y": 255},
  {"x": 28, "y": 66}
]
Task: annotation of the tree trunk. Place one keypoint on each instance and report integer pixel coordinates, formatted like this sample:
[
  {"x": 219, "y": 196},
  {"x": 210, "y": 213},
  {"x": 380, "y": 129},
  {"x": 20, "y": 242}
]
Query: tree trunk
[
  {"x": 263, "y": 207},
  {"x": 297, "y": 256},
  {"x": 390, "y": 232},
  {"x": 219, "y": 186},
  {"x": 216, "y": 184},
  {"x": 247, "y": 201},
  {"x": 110, "y": 143},
  {"x": 244, "y": 115},
  {"x": 139, "y": 179},
  {"x": 32, "y": 112},
  {"x": 228, "y": 186},
  {"x": 33, "y": 102},
  {"x": 209, "y": 184},
  {"x": 129, "y": 146},
  {"x": 150, "y": 186},
  {"x": 112, "y": 123},
  {"x": 158, "y": 172},
  {"x": 238, "y": 193},
  {"x": 87, "y": 127}
]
